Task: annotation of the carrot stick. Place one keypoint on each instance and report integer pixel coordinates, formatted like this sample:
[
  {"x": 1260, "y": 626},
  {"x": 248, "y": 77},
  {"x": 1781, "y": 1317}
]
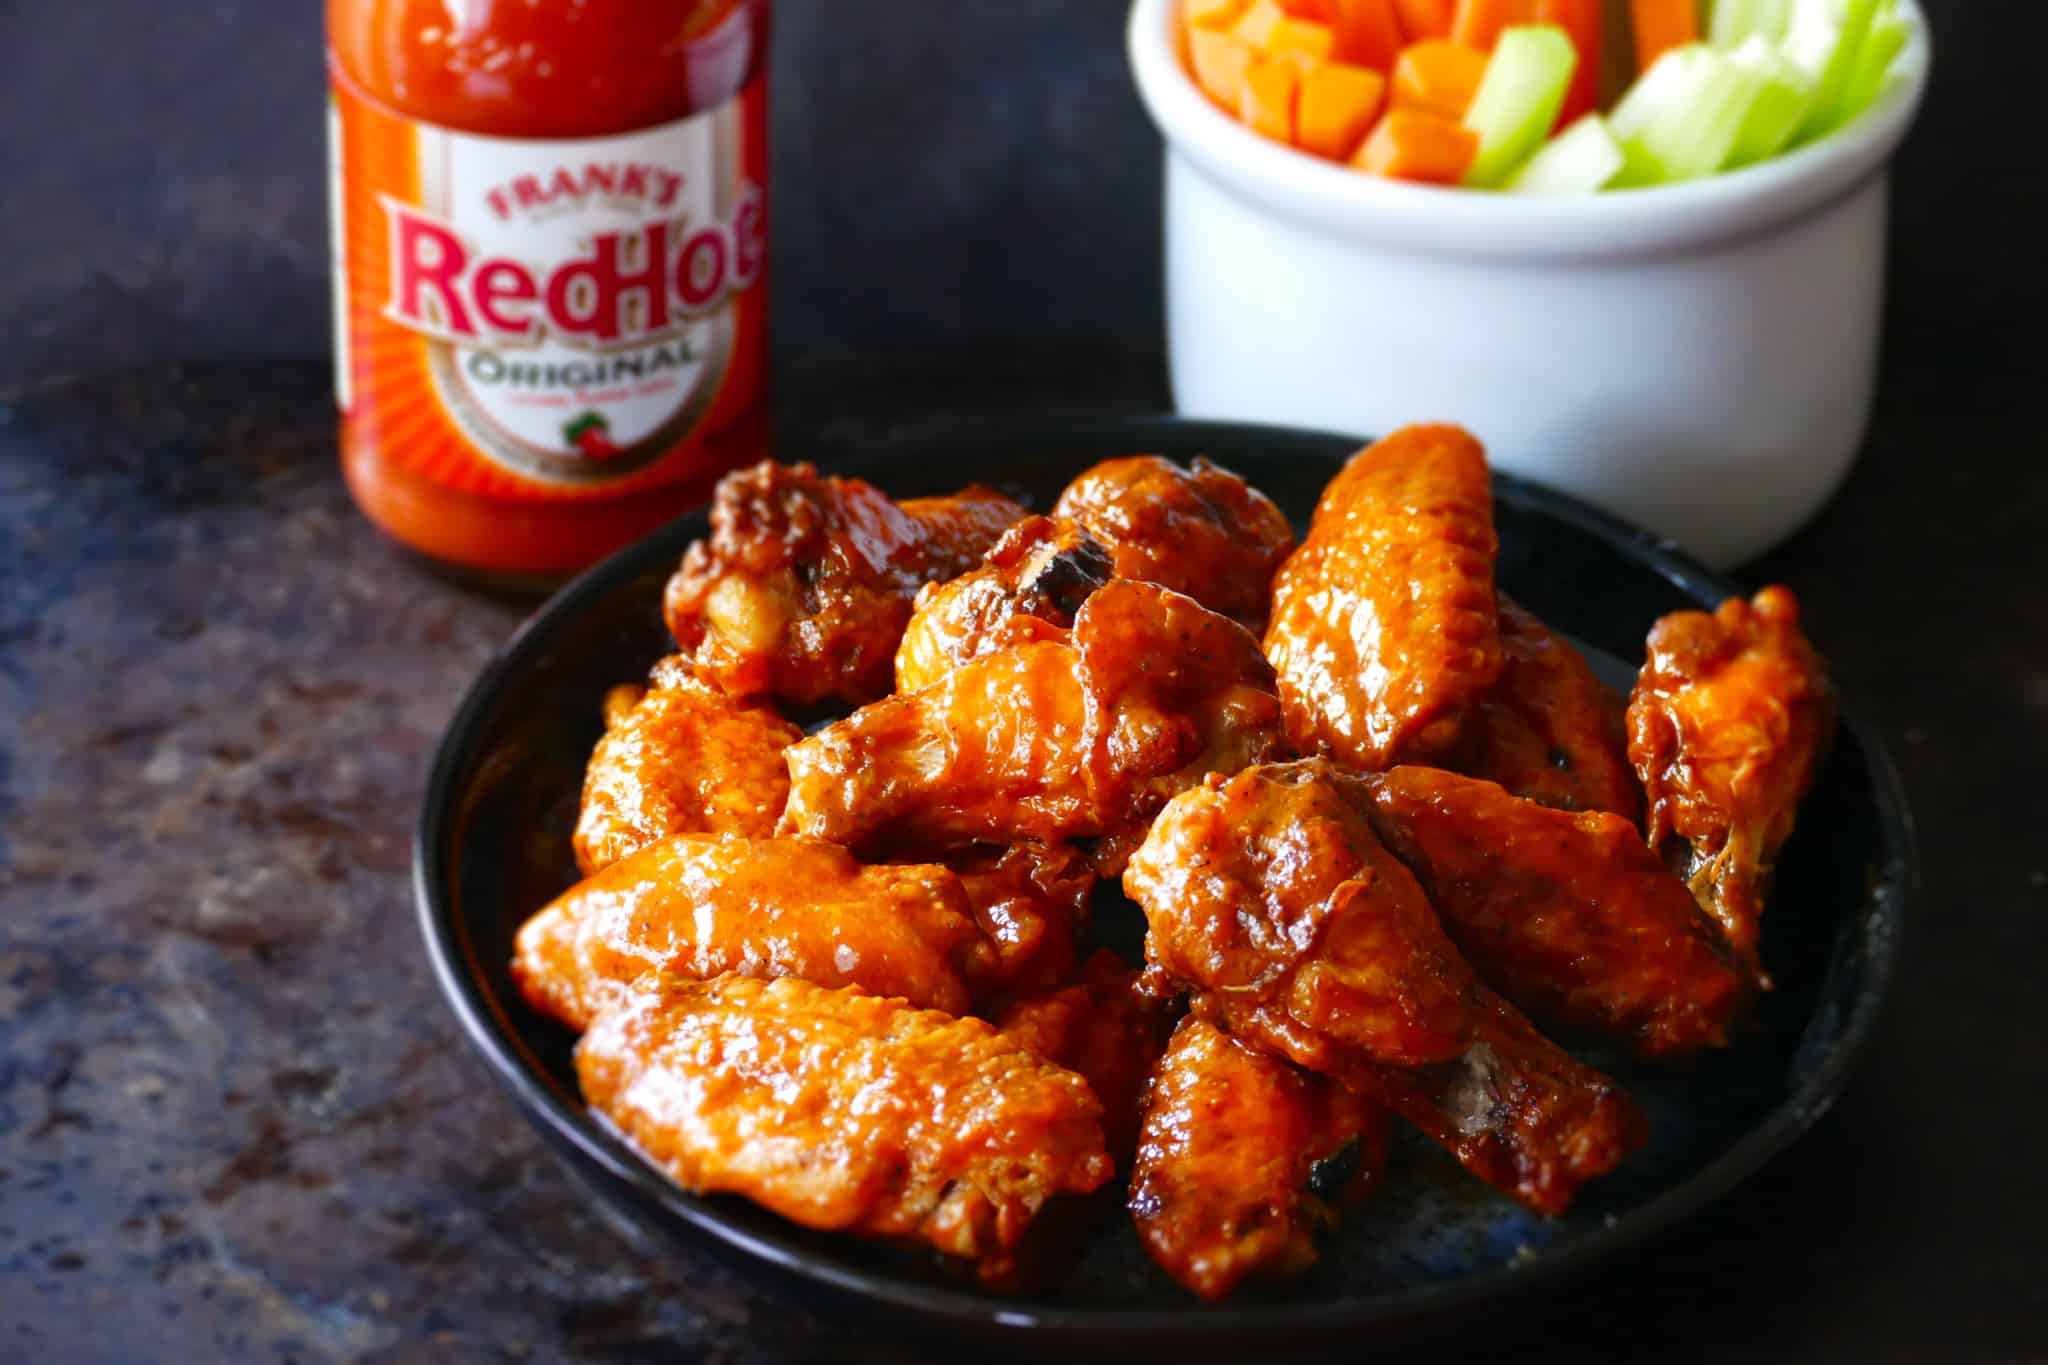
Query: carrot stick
[
  {"x": 1406, "y": 145},
  {"x": 1477, "y": 23},
  {"x": 1580, "y": 19},
  {"x": 1437, "y": 77},
  {"x": 1661, "y": 25},
  {"x": 1368, "y": 33},
  {"x": 1422, "y": 19}
]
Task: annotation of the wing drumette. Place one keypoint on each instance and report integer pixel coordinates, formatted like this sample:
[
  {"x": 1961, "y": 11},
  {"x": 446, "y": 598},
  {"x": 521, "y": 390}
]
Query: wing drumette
[
  {"x": 1245, "y": 1160},
  {"x": 1200, "y": 530},
  {"x": 1567, "y": 915},
  {"x": 1550, "y": 730},
  {"x": 679, "y": 757},
  {"x": 1727, "y": 724},
  {"x": 1383, "y": 632},
  {"x": 1049, "y": 741},
  {"x": 696, "y": 905},
  {"x": 1269, "y": 896},
  {"x": 804, "y": 587},
  {"x": 847, "y": 1112},
  {"x": 1028, "y": 588}
]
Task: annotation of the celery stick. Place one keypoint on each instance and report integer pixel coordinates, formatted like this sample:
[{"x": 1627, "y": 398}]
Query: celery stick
[
  {"x": 1736, "y": 21},
  {"x": 1781, "y": 102},
  {"x": 1824, "y": 39},
  {"x": 1579, "y": 160},
  {"x": 1681, "y": 123},
  {"x": 1518, "y": 99},
  {"x": 1881, "y": 47}
]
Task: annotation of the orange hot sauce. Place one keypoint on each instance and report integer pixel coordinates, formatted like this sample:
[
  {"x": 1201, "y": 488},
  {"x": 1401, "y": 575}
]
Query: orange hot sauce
[{"x": 550, "y": 249}]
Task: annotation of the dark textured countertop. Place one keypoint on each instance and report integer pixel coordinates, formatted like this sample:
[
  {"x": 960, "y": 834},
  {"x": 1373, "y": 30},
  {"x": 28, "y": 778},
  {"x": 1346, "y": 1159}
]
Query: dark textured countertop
[{"x": 236, "y": 1122}]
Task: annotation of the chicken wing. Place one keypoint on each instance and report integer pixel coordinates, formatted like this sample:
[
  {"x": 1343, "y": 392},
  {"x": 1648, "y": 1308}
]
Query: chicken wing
[
  {"x": 1049, "y": 741},
  {"x": 804, "y": 587},
  {"x": 1568, "y": 915},
  {"x": 844, "y": 1111},
  {"x": 697, "y": 905},
  {"x": 1550, "y": 730},
  {"x": 1727, "y": 726},
  {"x": 1269, "y": 895},
  {"x": 1245, "y": 1161},
  {"x": 1200, "y": 530},
  {"x": 1104, "y": 1028},
  {"x": 1028, "y": 587},
  {"x": 679, "y": 757},
  {"x": 1031, "y": 902},
  {"x": 1384, "y": 632}
]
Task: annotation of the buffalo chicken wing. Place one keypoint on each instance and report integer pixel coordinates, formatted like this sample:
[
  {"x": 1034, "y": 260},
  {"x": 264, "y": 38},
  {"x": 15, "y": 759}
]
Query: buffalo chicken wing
[
  {"x": 843, "y": 1111},
  {"x": 1269, "y": 896}
]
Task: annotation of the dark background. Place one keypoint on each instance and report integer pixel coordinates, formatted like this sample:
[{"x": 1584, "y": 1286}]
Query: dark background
[{"x": 234, "y": 1121}]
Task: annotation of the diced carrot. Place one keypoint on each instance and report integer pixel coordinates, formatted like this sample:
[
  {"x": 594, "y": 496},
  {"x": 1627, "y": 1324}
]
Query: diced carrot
[
  {"x": 1581, "y": 20},
  {"x": 1257, "y": 23},
  {"x": 1437, "y": 77},
  {"x": 1477, "y": 23},
  {"x": 1422, "y": 19},
  {"x": 1216, "y": 14},
  {"x": 1220, "y": 62},
  {"x": 1267, "y": 102},
  {"x": 1302, "y": 39},
  {"x": 1336, "y": 107},
  {"x": 1407, "y": 145},
  {"x": 1368, "y": 33},
  {"x": 1661, "y": 25},
  {"x": 1315, "y": 11}
]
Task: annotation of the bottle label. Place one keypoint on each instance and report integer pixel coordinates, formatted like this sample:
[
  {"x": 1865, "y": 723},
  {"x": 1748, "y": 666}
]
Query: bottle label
[{"x": 544, "y": 319}]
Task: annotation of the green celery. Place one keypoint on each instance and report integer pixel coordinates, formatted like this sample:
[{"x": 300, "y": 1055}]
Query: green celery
[
  {"x": 1736, "y": 21},
  {"x": 1824, "y": 39},
  {"x": 1782, "y": 99},
  {"x": 1886, "y": 40},
  {"x": 1580, "y": 160},
  {"x": 1682, "y": 119},
  {"x": 1518, "y": 99}
]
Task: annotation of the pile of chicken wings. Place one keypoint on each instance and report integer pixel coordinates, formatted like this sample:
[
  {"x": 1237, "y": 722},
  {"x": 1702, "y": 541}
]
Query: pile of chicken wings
[{"x": 1386, "y": 829}]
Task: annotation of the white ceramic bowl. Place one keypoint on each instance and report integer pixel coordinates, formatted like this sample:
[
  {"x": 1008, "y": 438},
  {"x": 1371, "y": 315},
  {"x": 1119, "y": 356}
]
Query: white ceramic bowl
[{"x": 1699, "y": 358}]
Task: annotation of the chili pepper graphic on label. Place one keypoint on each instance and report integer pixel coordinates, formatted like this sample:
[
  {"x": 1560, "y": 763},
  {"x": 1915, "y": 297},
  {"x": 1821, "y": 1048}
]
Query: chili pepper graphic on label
[{"x": 590, "y": 433}]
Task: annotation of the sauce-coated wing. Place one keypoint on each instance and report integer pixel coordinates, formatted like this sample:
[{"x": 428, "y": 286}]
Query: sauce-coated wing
[
  {"x": 1200, "y": 530},
  {"x": 1245, "y": 1160},
  {"x": 1031, "y": 902},
  {"x": 1383, "y": 632},
  {"x": 1568, "y": 915},
  {"x": 1270, "y": 896},
  {"x": 696, "y": 905},
  {"x": 1047, "y": 741},
  {"x": 1727, "y": 725},
  {"x": 1549, "y": 729},
  {"x": 848, "y": 1112},
  {"x": 1104, "y": 1028},
  {"x": 1029, "y": 587},
  {"x": 679, "y": 757},
  {"x": 804, "y": 587}
]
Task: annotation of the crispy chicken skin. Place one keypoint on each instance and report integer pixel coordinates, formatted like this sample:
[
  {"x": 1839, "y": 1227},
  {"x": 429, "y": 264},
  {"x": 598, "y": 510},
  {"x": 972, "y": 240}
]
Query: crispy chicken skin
[
  {"x": 1049, "y": 741},
  {"x": 1384, "y": 632},
  {"x": 1549, "y": 729},
  {"x": 1200, "y": 530},
  {"x": 1029, "y": 587},
  {"x": 696, "y": 905},
  {"x": 1031, "y": 902},
  {"x": 1727, "y": 725},
  {"x": 679, "y": 757},
  {"x": 1568, "y": 915},
  {"x": 1106, "y": 1029},
  {"x": 1245, "y": 1160},
  {"x": 804, "y": 587},
  {"x": 845, "y": 1111},
  {"x": 1269, "y": 896}
]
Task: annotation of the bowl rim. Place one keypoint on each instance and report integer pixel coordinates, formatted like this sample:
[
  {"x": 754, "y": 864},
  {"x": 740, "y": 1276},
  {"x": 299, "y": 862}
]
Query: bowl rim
[
  {"x": 1660, "y": 220},
  {"x": 583, "y": 1140}
]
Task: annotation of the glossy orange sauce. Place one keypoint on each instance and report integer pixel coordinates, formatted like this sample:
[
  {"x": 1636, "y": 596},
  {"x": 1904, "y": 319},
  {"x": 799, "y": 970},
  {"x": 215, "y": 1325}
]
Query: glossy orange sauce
[{"x": 544, "y": 69}]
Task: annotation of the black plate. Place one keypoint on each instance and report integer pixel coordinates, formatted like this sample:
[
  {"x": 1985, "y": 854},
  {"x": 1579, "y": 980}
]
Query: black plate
[{"x": 493, "y": 846}]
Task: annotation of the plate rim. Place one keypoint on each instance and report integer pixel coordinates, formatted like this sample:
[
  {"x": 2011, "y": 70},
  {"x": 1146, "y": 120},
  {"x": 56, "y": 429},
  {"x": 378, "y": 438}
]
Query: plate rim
[{"x": 575, "y": 1135}]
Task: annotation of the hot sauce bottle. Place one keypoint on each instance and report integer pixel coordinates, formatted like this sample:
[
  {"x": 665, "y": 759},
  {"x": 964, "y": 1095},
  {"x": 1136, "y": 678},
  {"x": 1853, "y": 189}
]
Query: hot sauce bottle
[{"x": 549, "y": 225}]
